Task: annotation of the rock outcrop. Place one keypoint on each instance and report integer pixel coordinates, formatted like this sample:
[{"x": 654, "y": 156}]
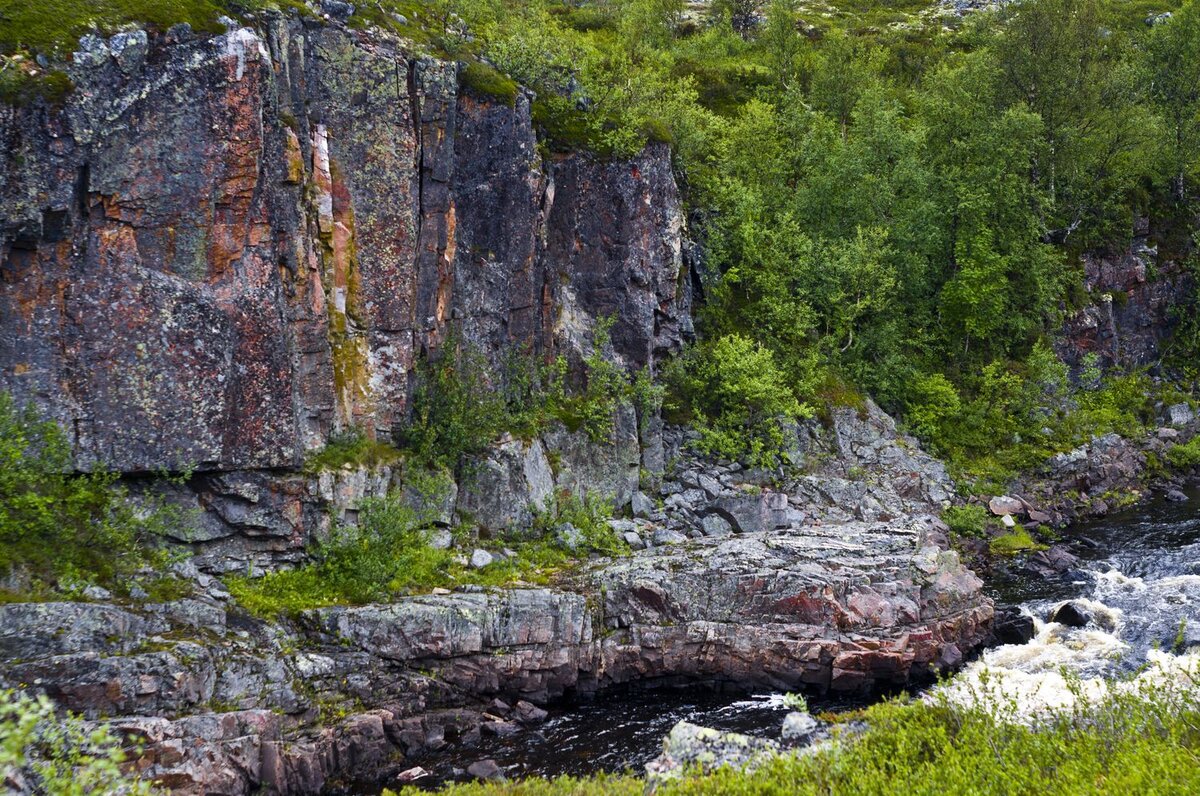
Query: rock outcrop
[
  {"x": 226, "y": 249},
  {"x": 223, "y": 702},
  {"x": 1138, "y": 295}
]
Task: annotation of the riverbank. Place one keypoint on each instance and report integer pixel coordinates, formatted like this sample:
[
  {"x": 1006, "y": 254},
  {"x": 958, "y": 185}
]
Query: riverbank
[{"x": 1108, "y": 660}]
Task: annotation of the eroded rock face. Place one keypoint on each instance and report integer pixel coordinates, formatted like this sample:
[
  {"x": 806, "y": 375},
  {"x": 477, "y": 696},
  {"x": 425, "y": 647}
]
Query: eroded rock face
[
  {"x": 1141, "y": 293},
  {"x": 223, "y": 250}
]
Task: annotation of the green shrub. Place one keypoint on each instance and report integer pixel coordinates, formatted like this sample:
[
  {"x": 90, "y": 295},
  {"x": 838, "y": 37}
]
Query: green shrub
[
  {"x": 969, "y": 520},
  {"x": 589, "y": 515},
  {"x": 457, "y": 408},
  {"x": 1185, "y": 456},
  {"x": 385, "y": 553},
  {"x": 736, "y": 396},
  {"x": 63, "y": 529},
  {"x": 931, "y": 402},
  {"x": 461, "y": 405},
  {"x": 60, "y": 755},
  {"x": 593, "y": 405}
]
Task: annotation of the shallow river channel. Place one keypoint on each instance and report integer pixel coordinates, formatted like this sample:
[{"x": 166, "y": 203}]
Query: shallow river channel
[{"x": 1138, "y": 581}]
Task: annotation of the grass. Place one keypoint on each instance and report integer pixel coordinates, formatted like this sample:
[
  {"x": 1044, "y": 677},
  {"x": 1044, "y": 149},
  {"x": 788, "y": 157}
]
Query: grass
[
  {"x": 1015, "y": 541},
  {"x": 387, "y": 555},
  {"x": 1143, "y": 741},
  {"x": 354, "y": 448}
]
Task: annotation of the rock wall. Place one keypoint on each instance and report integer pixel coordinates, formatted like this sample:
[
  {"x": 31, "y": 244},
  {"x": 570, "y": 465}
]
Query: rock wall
[
  {"x": 1139, "y": 293},
  {"x": 223, "y": 250}
]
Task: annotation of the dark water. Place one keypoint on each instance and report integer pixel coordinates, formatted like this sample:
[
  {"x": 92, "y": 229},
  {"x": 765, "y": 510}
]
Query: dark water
[
  {"x": 1139, "y": 569},
  {"x": 620, "y": 730}
]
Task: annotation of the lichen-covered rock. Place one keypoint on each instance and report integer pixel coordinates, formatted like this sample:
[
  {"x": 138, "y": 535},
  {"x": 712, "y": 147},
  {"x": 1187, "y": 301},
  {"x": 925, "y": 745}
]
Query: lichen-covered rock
[
  {"x": 690, "y": 748},
  {"x": 225, "y": 249}
]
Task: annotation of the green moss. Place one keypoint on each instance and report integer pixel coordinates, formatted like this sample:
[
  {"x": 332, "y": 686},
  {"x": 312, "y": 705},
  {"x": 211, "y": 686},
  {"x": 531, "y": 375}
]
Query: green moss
[
  {"x": 21, "y": 88},
  {"x": 969, "y": 520},
  {"x": 1015, "y": 541},
  {"x": 483, "y": 81}
]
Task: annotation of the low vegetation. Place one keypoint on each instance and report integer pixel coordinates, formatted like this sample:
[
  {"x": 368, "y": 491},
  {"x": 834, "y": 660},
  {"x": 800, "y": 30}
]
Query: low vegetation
[
  {"x": 386, "y": 553},
  {"x": 1185, "y": 456},
  {"x": 61, "y": 531},
  {"x": 462, "y": 404}
]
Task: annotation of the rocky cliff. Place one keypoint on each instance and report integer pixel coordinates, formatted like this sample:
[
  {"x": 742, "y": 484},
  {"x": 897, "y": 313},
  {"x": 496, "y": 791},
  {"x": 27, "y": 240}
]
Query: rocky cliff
[
  {"x": 1138, "y": 296},
  {"x": 222, "y": 251}
]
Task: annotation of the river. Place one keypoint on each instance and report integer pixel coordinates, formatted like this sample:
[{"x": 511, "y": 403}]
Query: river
[{"x": 1138, "y": 579}]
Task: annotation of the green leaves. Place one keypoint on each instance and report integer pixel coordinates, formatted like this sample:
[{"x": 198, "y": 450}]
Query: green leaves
[
  {"x": 60, "y": 755},
  {"x": 735, "y": 395},
  {"x": 61, "y": 529}
]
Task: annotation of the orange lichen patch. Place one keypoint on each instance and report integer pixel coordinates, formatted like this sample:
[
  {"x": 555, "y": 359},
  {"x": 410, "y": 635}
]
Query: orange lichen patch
[
  {"x": 295, "y": 158},
  {"x": 446, "y": 269}
]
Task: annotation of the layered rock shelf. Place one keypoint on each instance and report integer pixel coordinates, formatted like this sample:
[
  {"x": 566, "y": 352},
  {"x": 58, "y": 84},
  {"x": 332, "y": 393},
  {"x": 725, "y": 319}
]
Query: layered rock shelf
[{"x": 232, "y": 704}]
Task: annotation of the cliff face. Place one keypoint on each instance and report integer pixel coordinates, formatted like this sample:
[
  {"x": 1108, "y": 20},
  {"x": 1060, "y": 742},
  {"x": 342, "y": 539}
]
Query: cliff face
[
  {"x": 1142, "y": 292},
  {"x": 221, "y": 251}
]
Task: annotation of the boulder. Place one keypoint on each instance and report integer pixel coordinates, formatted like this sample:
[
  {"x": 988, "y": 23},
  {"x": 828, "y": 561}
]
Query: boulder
[
  {"x": 1071, "y": 614},
  {"x": 486, "y": 770},
  {"x": 1012, "y": 626},
  {"x": 1004, "y": 505},
  {"x": 505, "y": 484},
  {"x": 1180, "y": 414},
  {"x": 716, "y": 525},
  {"x": 692, "y": 748},
  {"x": 799, "y": 728}
]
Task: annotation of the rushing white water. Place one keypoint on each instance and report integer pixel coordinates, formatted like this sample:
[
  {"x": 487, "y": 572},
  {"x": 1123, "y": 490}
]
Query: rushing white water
[{"x": 1143, "y": 600}]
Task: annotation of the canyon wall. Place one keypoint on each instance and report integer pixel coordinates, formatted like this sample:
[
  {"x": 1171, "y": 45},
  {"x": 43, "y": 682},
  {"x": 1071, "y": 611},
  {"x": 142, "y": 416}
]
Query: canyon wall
[{"x": 221, "y": 251}]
